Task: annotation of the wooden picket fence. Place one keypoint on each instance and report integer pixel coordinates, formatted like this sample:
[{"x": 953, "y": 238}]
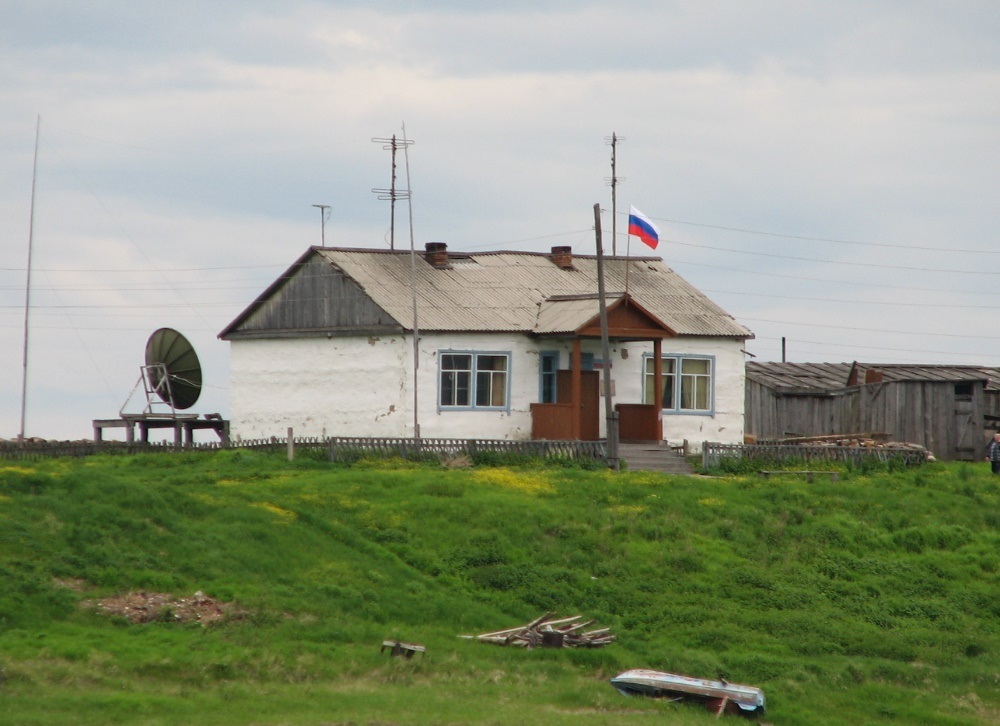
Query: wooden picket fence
[{"x": 335, "y": 448}]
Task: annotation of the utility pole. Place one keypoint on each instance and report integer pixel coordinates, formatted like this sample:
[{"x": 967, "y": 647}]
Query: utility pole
[
  {"x": 392, "y": 194},
  {"x": 609, "y": 411},
  {"x": 613, "y": 181},
  {"x": 323, "y": 214}
]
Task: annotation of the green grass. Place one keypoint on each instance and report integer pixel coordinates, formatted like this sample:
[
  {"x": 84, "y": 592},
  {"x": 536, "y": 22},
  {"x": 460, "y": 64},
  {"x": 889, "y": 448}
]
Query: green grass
[{"x": 873, "y": 599}]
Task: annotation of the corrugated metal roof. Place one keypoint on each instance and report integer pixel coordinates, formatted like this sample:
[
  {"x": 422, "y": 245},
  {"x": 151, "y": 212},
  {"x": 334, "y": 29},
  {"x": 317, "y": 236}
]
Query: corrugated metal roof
[
  {"x": 565, "y": 315},
  {"x": 833, "y": 376},
  {"x": 504, "y": 291}
]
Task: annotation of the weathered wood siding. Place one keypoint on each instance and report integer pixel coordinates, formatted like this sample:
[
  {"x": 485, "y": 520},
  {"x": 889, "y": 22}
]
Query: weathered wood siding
[
  {"x": 770, "y": 414},
  {"x": 946, "y": 418},
  {"x": 316, "y": 298}
]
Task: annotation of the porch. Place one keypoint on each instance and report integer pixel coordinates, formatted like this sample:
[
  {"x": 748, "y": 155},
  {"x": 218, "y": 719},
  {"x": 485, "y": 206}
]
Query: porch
[{"x": 575, "y": 414}]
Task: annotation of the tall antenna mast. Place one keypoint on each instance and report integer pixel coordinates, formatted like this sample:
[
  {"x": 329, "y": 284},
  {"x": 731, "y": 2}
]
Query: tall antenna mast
[
  {"x": 323, "y": 215},
  {"x": 27, "y": 289},
  {"x": 392, "y": 194},
  {"x": 613, "y": 181}
]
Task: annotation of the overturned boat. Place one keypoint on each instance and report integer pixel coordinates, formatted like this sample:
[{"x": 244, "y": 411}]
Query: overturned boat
[{"x": 719, "y": 696}]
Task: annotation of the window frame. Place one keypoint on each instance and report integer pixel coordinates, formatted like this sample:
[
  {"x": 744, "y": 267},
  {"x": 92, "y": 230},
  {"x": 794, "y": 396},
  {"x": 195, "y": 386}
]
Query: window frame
[
  {"x": 473, "y": 372},
  {"x": 543, "y": 375},
  {"x": 678, "y": 382}
]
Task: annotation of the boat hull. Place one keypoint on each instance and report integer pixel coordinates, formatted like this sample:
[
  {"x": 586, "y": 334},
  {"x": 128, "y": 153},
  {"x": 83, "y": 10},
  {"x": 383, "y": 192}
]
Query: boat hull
[{"x": 720, "y": 696}]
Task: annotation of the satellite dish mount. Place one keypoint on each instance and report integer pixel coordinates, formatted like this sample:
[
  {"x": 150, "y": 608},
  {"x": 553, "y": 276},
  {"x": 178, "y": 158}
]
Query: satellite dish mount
[{"x": 171, "y": 377}]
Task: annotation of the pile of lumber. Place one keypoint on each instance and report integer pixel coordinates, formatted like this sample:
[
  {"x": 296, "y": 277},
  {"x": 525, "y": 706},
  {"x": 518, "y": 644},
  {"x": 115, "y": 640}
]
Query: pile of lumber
[
  {"x": 548, "y": 632},
  {"x": 862, "y": 440}
]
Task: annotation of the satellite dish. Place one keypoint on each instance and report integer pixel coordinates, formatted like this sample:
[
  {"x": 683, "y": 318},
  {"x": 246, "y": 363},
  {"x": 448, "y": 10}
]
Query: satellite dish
[{"x": 173, "y": 368}]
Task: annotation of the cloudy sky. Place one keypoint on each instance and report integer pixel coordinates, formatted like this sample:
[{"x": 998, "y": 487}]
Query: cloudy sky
[{"x": 827, "y": 172}]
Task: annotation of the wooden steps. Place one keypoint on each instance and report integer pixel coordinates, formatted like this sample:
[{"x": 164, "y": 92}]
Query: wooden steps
[{"x": 653, "y": 456}]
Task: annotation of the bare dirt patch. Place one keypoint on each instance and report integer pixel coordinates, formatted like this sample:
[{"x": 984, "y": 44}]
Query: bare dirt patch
[{"x": 158, "y": 607}]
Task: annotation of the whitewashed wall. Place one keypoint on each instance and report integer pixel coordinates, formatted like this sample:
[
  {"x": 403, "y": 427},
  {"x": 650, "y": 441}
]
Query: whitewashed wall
[
  {"x": 319, "y": 387},
  {"x": 725, "y": 424},
  {"x": 361, "y": 387}
]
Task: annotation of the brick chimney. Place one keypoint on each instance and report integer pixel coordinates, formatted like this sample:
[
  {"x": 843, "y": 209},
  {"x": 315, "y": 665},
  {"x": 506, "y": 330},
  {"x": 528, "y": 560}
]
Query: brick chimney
[
  {"x": 562, "y": 257},
  {"x": 436, "y": 254}
]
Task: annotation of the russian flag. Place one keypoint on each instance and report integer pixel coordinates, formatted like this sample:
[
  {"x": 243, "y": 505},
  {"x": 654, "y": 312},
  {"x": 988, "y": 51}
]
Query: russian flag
[{"x": 642, "y": 227}]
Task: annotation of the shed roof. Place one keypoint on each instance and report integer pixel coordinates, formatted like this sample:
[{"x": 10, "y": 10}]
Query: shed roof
[
  {"x": 832, "y": 376},
  {"x": 512, "y": 291}
]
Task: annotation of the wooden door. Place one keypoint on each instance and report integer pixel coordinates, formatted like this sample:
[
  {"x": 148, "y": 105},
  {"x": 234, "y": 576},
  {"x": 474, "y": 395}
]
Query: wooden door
[
  {"x": 590, "y": 403},
  {"x": 968, "y": 431}
]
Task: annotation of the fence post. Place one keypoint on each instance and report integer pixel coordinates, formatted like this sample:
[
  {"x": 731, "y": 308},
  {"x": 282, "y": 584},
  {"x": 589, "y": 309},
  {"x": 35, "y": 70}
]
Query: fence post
[
  {"x": 704, "y": 455},
  {"x": 291, "y": 445}
]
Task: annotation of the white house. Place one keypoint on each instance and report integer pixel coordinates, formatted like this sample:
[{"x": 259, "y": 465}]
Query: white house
[{"x": 508, "y": 347}]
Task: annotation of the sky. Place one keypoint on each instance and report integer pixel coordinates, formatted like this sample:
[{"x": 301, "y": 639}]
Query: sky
[{"x": 826, "y": 172}]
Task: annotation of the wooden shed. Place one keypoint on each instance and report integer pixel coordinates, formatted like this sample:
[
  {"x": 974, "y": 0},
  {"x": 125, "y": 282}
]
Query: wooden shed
[{"x": 950, "y": 410}]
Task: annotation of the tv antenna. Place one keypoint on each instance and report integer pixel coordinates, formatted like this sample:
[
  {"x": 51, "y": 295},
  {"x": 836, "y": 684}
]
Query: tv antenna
[
  {"x": 392, "y": 194},
  {"x": 613, "y": 182},
  {"x": 324, "y": 214}
]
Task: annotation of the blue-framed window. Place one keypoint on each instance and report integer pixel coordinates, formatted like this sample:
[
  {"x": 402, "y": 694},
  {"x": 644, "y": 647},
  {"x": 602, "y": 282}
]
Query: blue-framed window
[
  {"x": 548, "y": 364},
  {"x": 473, "y": 380},
  {"x": 688, "y": 383}
]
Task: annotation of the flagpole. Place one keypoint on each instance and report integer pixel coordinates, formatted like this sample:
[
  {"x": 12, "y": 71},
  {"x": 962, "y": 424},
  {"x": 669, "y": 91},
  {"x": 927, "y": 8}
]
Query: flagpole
[{"x": 628, "y": 260}]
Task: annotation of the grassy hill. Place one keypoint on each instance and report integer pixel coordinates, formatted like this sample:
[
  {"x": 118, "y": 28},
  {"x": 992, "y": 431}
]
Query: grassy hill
[{"x": 874, "y": 599}]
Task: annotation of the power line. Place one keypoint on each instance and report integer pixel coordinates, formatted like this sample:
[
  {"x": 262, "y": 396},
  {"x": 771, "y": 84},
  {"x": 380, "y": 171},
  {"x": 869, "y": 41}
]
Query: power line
[
  {"x": 133, "y": 270},
  {"x": 852, "y": 302},
  {"x": 831, "y": 262},
  {"x": 828, "y": 344},
  {"x": 826, "y": 239},
  {"x": 922, "y": 333},
  {"x": 155, "y": 306},
  {"x": 803, "y": 278}
]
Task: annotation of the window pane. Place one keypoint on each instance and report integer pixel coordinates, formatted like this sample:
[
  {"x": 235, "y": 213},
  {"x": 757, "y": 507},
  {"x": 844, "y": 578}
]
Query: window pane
[
  {"x": 649, "y": 395},
  {"x": 687, "y": 392},
  {"x": 491, "y": 362},
  {"x": 491, "y": 380},
  {"x": 548, "y": 363},
  {"x": 450, "y": 361},
  {"x": 455, "y": 379},
  {"x": 482, "y": 389},
  {"x": 694, "y": 365},
  {"x": 701, "y": 399},
  {"x": 696, "y": 384},
  {"x": 462, "y": 381},
  {"x": 455, "y": 388},
  {"x": 668, "y": 382}
]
